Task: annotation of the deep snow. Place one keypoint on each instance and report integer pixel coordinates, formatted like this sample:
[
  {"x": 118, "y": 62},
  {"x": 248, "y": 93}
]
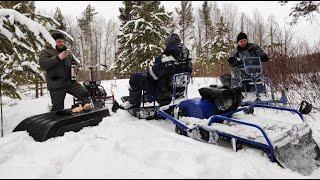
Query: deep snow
[{"x": 125, "y": 147}]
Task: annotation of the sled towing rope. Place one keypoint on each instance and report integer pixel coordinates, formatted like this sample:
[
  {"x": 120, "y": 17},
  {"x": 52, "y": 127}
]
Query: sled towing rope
[{"x": 295, "y": 150}]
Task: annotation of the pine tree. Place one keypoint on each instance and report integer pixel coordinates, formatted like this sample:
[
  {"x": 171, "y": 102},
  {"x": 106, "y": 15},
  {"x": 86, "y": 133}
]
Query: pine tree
[
  {"x": 144, "y": 34},
  {"x": 85, "y": 24},
  {"x": 60, "y": 18},
  {"x": 303, "y": 9},
  {"x": 205, "y": 16},
  {"x": 126, "y": 15},
  {"x": 221, "y": 45},
  {"x": 186, "y": 20},
  {"x": 21, "y": 38},
  {"x": 20, "y": 6}
]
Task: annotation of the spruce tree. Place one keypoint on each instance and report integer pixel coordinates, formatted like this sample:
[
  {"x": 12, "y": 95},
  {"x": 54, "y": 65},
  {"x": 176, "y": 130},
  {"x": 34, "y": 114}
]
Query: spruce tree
[
  {"x": 20, "y": 38},
  {"x": 144, "y": 34},
  {"x": 221, "y": 45},
  {"x": 186, "y": 20},
  {"x": 126, "y": 15},
  {"x": 85, "y": 24},
  {"x": 60, "y": 18},
  {"x": 23, "y": 34},
  {"x": 206, "y": 22},
  {"x": 205, "y": 14}
]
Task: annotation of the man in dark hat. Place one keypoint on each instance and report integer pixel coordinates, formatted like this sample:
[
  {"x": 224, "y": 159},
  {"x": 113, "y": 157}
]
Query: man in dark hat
[
  {"x": 56, "y": 61},
  {"x": 174, "y": 59},
  {"x": 244, "y": 49}
]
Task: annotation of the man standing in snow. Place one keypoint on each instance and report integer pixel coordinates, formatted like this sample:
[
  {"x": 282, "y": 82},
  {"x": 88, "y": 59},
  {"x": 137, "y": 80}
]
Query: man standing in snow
[
  {"x": 174, "y": 59},
  {"x": 244, "y": 49},
  {"x": 57, "y": 64}
]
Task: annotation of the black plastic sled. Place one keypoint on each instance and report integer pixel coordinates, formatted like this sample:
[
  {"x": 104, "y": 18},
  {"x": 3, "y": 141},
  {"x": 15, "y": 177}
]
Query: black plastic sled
[{"x": 53, "y": 124}]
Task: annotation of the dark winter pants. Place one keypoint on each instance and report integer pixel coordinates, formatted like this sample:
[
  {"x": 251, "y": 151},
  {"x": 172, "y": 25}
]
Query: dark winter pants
[
  {"x": 58, "y": 95},
  {"x": 141, "y": 82}
]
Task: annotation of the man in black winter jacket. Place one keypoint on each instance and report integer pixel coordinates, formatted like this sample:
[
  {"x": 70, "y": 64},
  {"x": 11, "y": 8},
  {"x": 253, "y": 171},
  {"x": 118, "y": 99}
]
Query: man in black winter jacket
[
  {"x": 174, "y": 59},
  {"x": 244, "y": 49},
  {"x": 56, "y": 61}
]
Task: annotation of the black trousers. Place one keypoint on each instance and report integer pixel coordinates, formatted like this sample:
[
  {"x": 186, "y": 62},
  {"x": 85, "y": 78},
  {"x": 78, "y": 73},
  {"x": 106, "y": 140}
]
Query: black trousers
[
  {"x": 58, "y": 95},
  {"x": 140, "y": 82}
]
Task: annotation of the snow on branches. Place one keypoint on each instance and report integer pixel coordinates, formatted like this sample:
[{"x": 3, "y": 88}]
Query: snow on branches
[{"x": 21, "y": 39}]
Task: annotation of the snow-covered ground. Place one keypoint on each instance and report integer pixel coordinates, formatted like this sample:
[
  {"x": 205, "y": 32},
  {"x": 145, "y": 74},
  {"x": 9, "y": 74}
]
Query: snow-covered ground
[{"x": 125, "y": 147}]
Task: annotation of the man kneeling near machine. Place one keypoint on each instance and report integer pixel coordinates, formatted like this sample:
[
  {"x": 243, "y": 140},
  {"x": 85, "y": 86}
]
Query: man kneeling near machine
[
  {"x": 57, "y": 61},
  {"x": 174, "y": 59}
]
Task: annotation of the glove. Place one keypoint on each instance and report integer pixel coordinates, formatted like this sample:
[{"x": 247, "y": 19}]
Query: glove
[
  {"x": 264, "y": 58},
  {"x": 232, "y": 60}
]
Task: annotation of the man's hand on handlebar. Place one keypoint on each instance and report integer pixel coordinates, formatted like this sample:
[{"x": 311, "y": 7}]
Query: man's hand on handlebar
[
  {"x": 234, "y": 61},
  {"x": 62, "y": 56},
  {"x": 264, "y": 58}
]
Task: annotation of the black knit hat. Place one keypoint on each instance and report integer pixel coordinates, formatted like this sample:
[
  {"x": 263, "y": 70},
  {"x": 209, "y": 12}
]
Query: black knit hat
[
  {"x": 58, "y": 35},
  {"x": 172, "y": 39},
  {"x": 241, "y": 36}
]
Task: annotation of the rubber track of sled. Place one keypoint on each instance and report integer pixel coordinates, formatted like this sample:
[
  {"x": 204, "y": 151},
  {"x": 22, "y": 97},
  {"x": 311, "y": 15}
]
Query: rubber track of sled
[
  {"x": 301, "y": 157},
  {"x": 44, "y": 126}
]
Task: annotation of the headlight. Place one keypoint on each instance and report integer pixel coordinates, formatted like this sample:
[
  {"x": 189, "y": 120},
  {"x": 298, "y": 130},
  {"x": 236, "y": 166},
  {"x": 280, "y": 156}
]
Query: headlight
[{"x": 98, "y": 82}]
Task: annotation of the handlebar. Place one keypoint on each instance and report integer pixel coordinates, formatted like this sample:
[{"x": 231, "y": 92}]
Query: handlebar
[
  {"x": 97, "y": 65},
  {"x": 90, "y": 67}
]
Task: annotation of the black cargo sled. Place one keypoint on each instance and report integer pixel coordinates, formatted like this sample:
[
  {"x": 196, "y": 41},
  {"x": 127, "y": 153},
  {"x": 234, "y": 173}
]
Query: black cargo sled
[{"x": 53, "y": 124}]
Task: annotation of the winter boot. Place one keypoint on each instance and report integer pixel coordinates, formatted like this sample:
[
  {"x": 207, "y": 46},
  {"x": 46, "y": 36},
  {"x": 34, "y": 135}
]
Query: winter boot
[{"x": 135, "y": 97}]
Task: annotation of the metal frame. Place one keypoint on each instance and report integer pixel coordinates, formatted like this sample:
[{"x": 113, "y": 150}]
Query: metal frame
[
  {"x": 264, "y": 80},
  {"x": 152, "y": 99},
  {"x": 93, "y": 86},
  {"x": 268, "y": 148},
  {"x": 174, "y": 85}
]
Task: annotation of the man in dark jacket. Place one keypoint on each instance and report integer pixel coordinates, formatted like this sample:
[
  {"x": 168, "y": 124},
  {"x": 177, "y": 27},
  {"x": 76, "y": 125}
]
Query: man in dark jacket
[
  {"x": 174, "y": 59},
  {"x": 56, "y": 61},
  {"x": 244, "y": 49}
]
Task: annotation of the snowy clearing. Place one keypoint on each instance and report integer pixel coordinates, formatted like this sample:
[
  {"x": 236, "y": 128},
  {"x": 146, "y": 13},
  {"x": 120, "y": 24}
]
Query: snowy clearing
[{"x": 125, "y": 147}]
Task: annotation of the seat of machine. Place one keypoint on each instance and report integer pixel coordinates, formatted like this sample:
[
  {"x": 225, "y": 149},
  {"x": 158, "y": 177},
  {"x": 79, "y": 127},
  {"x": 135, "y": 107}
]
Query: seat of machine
[{"x": 179, "y": 84}]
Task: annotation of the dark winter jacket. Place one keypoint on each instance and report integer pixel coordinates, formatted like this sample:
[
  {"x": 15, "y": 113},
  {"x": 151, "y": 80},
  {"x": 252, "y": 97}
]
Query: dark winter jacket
[
  {"x": 174, "y": 59},
  {"x": 252, "y": 50},
  {"x": 58, "y": 72}
]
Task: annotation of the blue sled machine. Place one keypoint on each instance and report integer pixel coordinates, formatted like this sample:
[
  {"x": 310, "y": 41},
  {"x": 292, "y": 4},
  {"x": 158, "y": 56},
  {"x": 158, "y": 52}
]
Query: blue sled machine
[
  {"x": 221, "y": 117},
  {"x": 219, "y": 120}
]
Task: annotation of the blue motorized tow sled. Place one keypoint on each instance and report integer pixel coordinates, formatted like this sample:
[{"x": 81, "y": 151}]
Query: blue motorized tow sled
[{"x": 220, "y": 117}]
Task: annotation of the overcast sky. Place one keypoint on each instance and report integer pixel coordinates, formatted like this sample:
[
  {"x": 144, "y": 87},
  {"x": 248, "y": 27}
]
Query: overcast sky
[{"x": 110, "y": 9}]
